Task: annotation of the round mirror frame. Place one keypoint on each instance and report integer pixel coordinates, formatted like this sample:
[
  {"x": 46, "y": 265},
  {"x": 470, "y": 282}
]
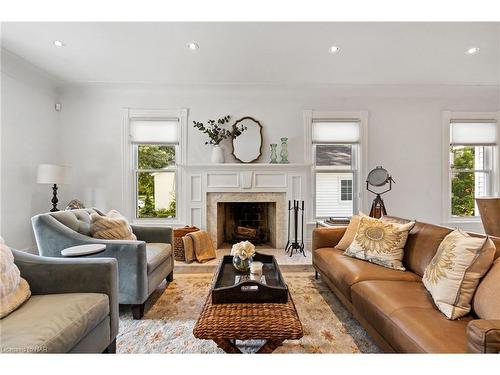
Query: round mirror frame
[{"x": 261, "y": 139}]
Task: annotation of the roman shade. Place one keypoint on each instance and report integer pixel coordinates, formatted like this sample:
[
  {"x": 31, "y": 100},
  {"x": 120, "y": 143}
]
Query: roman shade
[
  {"x": 336, "y": 131},
  {"x": 164, "y": 131},
  {"x": 473, "y": 132}
]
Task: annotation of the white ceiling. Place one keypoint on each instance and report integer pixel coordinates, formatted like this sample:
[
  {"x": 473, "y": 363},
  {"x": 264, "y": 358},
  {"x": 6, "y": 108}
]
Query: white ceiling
[{"x": 274, "y": 53}]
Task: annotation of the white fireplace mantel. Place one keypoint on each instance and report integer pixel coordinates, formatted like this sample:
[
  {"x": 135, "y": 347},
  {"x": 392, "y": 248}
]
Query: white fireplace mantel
[
  {"x": 247, "y": 166},
  {"x": 291, "y": 179}
]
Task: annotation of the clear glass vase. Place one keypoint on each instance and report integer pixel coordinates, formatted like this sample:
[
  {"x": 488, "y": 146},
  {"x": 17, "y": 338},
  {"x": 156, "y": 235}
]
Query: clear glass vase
[{"x": 242, "y": 265}]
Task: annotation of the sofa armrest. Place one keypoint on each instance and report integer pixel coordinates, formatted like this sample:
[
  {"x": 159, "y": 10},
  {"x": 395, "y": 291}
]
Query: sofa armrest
[
  {"x": 483, "y": 336},
  {"x": 327, "y": 237},
  {"x": 153, "y": 234},
  {"x": 72, "y": 275}
]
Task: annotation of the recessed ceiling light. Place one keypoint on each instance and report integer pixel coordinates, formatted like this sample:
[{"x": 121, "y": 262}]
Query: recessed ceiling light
[
  {"x": 58, "y": 43},
  {"x": 472, "y": 51},
  {"x": 334, "y": 49},
  {"x": 193, "y": 46}
]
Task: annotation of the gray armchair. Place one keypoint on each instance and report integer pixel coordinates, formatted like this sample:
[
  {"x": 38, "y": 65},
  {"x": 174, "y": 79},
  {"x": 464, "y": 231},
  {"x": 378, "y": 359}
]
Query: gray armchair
[
  {"x": 73, "y": 307},
  {"x": 142, "y": 264}
]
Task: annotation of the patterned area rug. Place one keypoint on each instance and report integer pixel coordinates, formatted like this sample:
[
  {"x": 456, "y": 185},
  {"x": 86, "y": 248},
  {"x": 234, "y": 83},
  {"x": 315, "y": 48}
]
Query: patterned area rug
[{"x": 172, "y": 311}]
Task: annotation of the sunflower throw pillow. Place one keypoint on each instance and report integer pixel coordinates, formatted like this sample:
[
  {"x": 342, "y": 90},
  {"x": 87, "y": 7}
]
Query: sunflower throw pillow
[
  {"x": 380, "y": 242},
  {"x": 454, "y": 272}
]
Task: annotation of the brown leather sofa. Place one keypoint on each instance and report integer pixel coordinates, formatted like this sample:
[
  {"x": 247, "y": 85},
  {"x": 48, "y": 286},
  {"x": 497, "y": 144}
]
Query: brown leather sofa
[{"x": 394, "y": 307}]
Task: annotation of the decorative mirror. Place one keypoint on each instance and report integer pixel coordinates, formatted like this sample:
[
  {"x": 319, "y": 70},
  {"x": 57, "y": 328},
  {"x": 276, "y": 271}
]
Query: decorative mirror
[{"x": 247, "y": 147}]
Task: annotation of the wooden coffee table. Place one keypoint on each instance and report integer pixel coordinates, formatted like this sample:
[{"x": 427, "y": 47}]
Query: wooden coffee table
[{"x": 227, "y": 322}]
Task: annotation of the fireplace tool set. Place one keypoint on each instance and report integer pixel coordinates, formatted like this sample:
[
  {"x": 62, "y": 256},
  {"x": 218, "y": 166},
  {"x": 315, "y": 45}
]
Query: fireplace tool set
[{"x": 295, "y": 245}]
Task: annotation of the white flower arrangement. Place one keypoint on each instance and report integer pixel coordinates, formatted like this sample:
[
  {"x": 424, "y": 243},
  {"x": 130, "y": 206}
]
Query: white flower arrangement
[{"x": 243, "y": 249}]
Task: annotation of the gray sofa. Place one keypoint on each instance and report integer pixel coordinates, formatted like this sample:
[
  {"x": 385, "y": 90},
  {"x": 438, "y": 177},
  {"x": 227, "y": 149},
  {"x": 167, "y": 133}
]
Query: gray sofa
[
  {"x": 73, "y": 307},
  {"x": 142, "y": 264}
]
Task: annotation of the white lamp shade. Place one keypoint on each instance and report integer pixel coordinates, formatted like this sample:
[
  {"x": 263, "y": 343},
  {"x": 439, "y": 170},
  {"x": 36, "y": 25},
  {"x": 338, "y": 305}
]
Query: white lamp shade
[
  {"x": 52, "y": 174},
  {"x": 335, "y": 132}
]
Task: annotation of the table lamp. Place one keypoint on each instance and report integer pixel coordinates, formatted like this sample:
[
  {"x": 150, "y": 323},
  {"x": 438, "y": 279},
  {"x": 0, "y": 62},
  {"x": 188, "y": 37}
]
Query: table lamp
[{"x": 53, "y": 174}]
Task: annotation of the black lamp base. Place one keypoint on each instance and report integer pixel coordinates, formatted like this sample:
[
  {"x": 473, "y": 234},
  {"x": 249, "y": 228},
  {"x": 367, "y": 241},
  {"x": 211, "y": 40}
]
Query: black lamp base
[{"x": 54, "y": 199}]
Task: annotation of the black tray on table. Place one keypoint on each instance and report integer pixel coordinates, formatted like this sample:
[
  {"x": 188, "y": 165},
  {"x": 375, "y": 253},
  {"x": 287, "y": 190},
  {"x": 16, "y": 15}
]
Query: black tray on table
[{"x": 233, "y": 286}]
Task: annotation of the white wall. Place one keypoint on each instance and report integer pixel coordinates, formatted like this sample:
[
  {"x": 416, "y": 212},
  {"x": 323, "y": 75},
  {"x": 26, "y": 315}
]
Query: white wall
[
  {"x": 29, "y": 137},
  {"x": 404, "y": 130}
]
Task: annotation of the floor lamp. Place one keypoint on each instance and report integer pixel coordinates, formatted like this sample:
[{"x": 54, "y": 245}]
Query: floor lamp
[{"x": 52, "y": 174}]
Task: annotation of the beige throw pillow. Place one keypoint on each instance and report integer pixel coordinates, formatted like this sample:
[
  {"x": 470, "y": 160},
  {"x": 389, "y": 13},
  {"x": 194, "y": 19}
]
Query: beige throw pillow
[
  {"x": 380, "y": 242},
  {"x": 350, "y": 233},
  {"x": 454, "y": 272},
  {"x": 486, "y": 301},
  {"x": 113, "y": 226},
  {"x": 14, "y": 290}
]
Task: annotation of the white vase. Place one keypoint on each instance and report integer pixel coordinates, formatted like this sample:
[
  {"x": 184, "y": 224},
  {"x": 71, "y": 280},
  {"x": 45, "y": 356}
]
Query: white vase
[{"x": 217, "y": 154}]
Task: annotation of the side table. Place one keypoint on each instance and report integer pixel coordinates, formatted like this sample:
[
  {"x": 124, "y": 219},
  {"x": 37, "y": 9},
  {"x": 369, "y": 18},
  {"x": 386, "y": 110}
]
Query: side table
[{"x": 81, "y": 250}]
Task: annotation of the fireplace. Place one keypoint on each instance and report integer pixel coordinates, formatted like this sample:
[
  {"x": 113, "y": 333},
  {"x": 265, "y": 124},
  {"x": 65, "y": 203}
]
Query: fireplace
[
  {"x": 238, "y": 216},
  {"x": 247, "y": 221}
]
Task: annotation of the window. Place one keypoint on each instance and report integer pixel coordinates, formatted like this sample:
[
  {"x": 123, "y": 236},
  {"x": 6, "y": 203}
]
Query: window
[
  {"x": 155, "y": 172},
  {"x": 346, "y": 190},
  {"x": 471, "y": 163},
  {"x": 336, "y": 148},
  {"x": 154, "y": 137}
]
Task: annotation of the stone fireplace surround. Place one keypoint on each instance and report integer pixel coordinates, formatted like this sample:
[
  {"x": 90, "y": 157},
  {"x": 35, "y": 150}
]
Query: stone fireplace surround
[{"x": 215, "y": 221}]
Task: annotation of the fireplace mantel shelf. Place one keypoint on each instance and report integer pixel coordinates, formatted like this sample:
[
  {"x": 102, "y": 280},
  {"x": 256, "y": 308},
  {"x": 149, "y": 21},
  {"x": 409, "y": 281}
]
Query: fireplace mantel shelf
[{"x": 247, "y": 166}]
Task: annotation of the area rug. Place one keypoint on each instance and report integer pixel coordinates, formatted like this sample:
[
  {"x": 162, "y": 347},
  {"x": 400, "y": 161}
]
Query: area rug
[{"x": 173, "y": 309}]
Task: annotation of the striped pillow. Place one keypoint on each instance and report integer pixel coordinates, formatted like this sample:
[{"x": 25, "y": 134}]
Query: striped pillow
[{"x": 113, "y": 226}]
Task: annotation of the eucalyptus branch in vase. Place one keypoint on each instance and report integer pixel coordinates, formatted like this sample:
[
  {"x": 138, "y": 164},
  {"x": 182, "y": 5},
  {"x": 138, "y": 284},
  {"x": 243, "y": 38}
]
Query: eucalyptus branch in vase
[{"x": 217, "y": 133}]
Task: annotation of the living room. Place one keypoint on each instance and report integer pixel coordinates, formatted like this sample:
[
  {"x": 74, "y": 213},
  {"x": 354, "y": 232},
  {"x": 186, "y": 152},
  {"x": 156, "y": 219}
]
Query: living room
[{"x": 255, "y": 187}]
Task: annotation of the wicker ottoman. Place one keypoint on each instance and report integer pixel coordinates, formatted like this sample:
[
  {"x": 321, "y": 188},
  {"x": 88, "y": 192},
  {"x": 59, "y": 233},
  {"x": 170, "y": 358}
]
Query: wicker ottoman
[{"x": 272, "y": 322}]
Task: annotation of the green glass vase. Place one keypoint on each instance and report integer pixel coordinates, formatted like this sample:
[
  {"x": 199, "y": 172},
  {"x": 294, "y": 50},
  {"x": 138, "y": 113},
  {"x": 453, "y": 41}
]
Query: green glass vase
[
  {"x": 284, "y": 151},
  {"x": 274, "y": 154}
]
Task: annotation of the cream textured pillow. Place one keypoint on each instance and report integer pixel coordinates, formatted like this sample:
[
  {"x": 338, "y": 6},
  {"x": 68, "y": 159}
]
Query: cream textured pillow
[
  {"x": 453, "y": 274},
  {"x": 380, "y": 242},
  {"x": 113, "y": 226},
  {"x": 14, "y": 290}
]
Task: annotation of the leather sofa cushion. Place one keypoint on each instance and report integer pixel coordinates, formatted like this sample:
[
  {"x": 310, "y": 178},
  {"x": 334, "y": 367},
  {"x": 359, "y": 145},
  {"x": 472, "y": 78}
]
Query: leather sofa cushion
[
  {"x": 404, "y": 314},
  {"x": 52, "y": 323},
  {"x": 344, "y": 271},
  {"x": 156, "y": 254},
  {"x": 421, "y": 246}
]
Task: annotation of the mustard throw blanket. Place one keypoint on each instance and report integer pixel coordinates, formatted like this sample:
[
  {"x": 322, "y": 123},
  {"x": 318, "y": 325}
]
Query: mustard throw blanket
[{"x": 198, "y": 246}]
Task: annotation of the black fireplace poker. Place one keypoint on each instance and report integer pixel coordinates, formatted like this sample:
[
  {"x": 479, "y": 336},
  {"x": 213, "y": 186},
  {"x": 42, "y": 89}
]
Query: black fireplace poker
[{"x": 295, "y": 246}]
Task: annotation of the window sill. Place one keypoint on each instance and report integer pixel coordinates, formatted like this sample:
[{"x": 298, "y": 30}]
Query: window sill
[
  {"x": 462, "y": 221},
  {"x": 158, "y": 222}
]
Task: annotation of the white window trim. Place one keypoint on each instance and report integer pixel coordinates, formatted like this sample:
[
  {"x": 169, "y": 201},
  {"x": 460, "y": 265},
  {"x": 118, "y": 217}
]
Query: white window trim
[
  {"x": 358, "y": 180},
  {"x": 128, "y": 197},
  {"x": 447, "y": 116}
]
